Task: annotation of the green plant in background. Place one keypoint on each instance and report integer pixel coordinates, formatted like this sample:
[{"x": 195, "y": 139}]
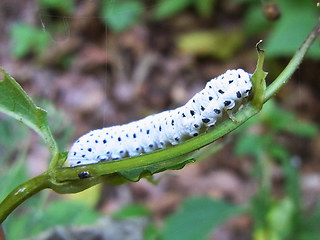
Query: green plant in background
[
  {"x": 12, "y": 175},
  {"x": 27, "y": 39},
  {"x": 168, "y": 8},
  {"x": 274, "y": 219},
  {"x": 284, "y": 38},
  {"x": 40, "y": 213},
  {"x": 284, "y": 218},
  {"x": 197, "y": 218},
  {"x": 204, "y": 43},
  {"x": 10, "y": 134},
  {"x": 14, "y": 143},
  {"x": 121, "y": 15},
  {"x": 65, "y": 7},
  {"x": 61, "y": 128},
  {"x": 200, "y": 214},
  {"x": 54, "y": 16},
  {"x": 297, "y": 19}
]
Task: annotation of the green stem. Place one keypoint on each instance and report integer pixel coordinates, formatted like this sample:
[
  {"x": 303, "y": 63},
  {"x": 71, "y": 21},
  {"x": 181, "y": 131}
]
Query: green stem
[
  {"x": 22, "y": 193},
  {"x": 66, "y": 174},
  {"x": 293, "y": 65}
]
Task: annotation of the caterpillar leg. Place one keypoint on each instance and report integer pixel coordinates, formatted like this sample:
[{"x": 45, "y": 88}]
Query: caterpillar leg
[
  {"x": 230, "y": 115},
  {"x": 192, "y": 126}
]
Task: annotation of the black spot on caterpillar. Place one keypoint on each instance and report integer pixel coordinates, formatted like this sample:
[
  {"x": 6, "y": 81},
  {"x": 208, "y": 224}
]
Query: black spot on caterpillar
[
  {"x": 83, "y": 175},
  {"x": 221, "y": 94}
]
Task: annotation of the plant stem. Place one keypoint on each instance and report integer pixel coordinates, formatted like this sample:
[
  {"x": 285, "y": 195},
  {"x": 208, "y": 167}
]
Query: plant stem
[
  {"x": 145, "y": 160},
  {"x": 22, "y": 193},
  {"x": 293, "y": 65}
]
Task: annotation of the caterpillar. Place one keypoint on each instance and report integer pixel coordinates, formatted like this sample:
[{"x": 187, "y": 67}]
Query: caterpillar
[{"x": 220, "y": 97}]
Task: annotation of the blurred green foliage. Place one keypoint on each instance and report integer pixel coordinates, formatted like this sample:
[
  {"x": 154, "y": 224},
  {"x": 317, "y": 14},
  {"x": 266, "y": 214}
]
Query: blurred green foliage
[
  {"x": 274, "y": 218},
  {"x": 27, "y": 39},
  {"x": 61, "y": 127},
  {"x": 10, "y": 133},
  {"x": 276, "y": 120},
  {"x": 197, "y": 218},
  {"x": 123, "y": 14},
  {"x": 65, "y": 6},
  {"x": 277, "y": 218},
  {"x": 41, "y": 216},
  {"x": 39, "y": 213},
  {"x": 206, "y": 43},
  {"x": 17, "y": 104},
  {"x": 287, "y": 33},
  {"x": 151, "y": 232},
  {"x": 283, "y": 36},
  {"x": 132, "y": 210},
  {"x": 120, "y": 15},
  {"x": 168, "y": 8},
  {"x": 12, "y": 173}
]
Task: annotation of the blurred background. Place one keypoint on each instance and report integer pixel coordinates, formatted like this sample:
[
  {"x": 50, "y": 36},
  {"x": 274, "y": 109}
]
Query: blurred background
[{"x": 93, "y": 64}]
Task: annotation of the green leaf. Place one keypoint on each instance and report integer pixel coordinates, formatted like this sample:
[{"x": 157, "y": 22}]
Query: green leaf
[
  {"x": 168, "y": 8},
  {"x": 245, "y": 1},
  {"x": 279, "y": 152},
  {"x": 260, "y": 206},
  {"x": 280, "y": 220},
  {"x": 297, "y": 20},
  {"x": 276, "y": 117},
  {"x": 151, "y": 232},
  {"x": 250, "y": 144},
  {"x": 258, "y": 80},
  {"x": 208, "y": 43},
  {"x": 175, "y": 163},
  {"x": 292, "y": 182},
  {"x": 16, "y": 103},
  {"x": 121, "y": 15},
  {"x": 309, "y": 229},
  {"x": 65, "y": 212},
  {"x": 65, "y": 6},
  {"x": 197, "y": 218},
  {"x": 254, "y": 20},
  {"x": 283, "y": 120},
  {"x": 287, "y": 33},
  {"x": 133, "y": 210},
  {"x": 61, "y": 126},
  {"x": 16, "y": 230},
  {"x": 303, "y": 129},
  {"x": 27, "y": 39},
  {"x": 60, "y": 212},
  {"x": 204, "y": 7},
  {"x": 13, "y": 176},
  {"x": 11, "y": 138}
]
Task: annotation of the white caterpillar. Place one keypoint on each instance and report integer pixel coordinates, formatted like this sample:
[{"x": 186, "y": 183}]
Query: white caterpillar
[{"x": 220, "y": 96}]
